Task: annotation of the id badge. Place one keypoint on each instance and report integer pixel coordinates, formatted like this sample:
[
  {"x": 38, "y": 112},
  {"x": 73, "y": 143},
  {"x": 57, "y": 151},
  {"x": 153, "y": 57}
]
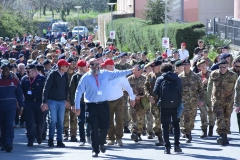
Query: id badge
[
  {"x": 99, "y": 93},
  {"x": 29, "y": 92}
]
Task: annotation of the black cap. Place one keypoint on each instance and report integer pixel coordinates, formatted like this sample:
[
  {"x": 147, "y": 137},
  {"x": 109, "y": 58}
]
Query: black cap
[
  {"x": 186, "y": 61},
  {"x": 20, "y": 55},
  {"x": 35, "y": 62},
  {"x": 175, "y": 51},
  {"x": 39, "y": 67},
  {"x": 156, "y": 63},
  {"x": 98, "y": 55},
  {"x": 179, "y": 63},
  {"x": 224, "y": 55},
  {"x": 70, "y": 60},
  {"x": 31, "y": 66},
  {"x": 223, "y": 61},
  {"x": 61, "y": 56},
  {"x": 13, "y": 65},
  {"x": 145, "y": 53},
  {"x": 225, "y": 47},
  {"x": 5, "y": 65},
  {"x": 46, "y": 61},
  {"x": 123, "y": 54}
]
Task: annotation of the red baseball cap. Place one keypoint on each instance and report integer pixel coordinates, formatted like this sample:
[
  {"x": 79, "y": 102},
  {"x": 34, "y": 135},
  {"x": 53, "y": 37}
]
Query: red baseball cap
[
  {"x": 164, "y": 55},
  {"x": 108, "y": 61},
  {"x": 81, "y": 63},
  {"x": 62, "y": 62},
  {"x": 74, "y": 52},
  {"x": 183, "y": 44}
]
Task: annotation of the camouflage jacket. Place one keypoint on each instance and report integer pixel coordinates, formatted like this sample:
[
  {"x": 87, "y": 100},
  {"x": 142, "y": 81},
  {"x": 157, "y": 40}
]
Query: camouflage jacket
[
  {"x": 137, "y": 84},
  {"x": 192, "y": 88},
  {"x": 201, "y": 76},
  {"x": 123, "y": 67},
  {"x": 237, "y": 93},
  {"x": 149, "y": 84},
  {"x": 221, "y": 87}
]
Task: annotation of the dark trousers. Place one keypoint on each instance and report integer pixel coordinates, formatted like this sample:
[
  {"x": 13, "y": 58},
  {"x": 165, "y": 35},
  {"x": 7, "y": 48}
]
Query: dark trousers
[
  {"x": 169, "y": 115},
  {"x": 45, "y": 114},
  {"x": 238, "y": 120},
  {"x": 34, "y": 119},
  {"x": 17, "y": 118},
  {"x": 6, "y": 123},
  {"x": 81, "y": 123},
  {"x": 98, "y": 116}
]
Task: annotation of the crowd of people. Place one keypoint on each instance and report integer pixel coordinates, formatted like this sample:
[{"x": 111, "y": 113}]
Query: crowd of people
[{"x": 104, "y": 93}]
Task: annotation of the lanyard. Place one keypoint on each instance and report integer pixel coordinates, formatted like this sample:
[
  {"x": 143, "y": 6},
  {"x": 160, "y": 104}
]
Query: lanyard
[
  {"x": 31, "y": 82},
  {"x": 96, "y": 79}
]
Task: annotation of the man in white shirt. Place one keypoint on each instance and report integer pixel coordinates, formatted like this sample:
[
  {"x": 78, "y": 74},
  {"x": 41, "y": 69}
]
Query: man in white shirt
[
  {"x": 183, "y": 53},
  {"x": 169, "y": 50},
  {"x": 63, "y": 40},
  {"x": 116, "y": 104}
]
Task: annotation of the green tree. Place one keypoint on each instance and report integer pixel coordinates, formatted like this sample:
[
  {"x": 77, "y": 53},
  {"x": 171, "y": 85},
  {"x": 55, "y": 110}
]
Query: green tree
[{"x": 155, "y": 11}]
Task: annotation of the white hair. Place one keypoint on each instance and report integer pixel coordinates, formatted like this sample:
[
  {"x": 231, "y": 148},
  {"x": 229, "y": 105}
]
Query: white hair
[{"x": 21, "y": 64}]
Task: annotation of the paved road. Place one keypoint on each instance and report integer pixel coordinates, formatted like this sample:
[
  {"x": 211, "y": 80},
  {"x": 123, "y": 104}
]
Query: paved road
[{"x": 145, "y": 150}]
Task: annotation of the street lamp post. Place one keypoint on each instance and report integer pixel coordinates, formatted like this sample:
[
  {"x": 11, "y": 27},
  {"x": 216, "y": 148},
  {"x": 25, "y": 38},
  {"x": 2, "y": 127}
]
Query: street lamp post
[
  {"x": 111, "y": 4},
  {"x": 78, "y": 7},
  {"x": 165, "y": 24}
]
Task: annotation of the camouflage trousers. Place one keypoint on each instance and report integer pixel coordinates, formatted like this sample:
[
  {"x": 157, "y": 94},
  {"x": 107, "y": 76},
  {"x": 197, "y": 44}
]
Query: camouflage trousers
[
  {"x": 207, "y": 116},
  {"x": 148, "y": 121},
  {"x": 137, "y": 118},
  {"x": 223, "y": 111},
  {"x": 72, "y": 118},
  {"x": 188, "y": 117},
  {"x": 126, "y": 118},
  {"x": 157, "y": 120}
]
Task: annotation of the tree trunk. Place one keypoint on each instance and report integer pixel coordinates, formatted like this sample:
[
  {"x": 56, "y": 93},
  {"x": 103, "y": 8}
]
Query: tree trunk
[
  {"x": 44, "y": 9},
  {"x": 68, "y": 11}
]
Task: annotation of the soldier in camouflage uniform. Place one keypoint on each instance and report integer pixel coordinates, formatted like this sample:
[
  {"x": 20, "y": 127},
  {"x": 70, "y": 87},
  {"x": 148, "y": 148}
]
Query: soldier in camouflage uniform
[
  {"x": 137, "y": 112},
  {"x": 122, "y": 65},
  {"x": 148, "y": 118},
  {"x": 68, "y": 112},
  {"x": 206, "y": 109},
  {"x": 192, "y": 96},
  {"x": 221, "y": 90},
  {"x": 148, "y": 88},
  {"x": 236, "y": 69}
]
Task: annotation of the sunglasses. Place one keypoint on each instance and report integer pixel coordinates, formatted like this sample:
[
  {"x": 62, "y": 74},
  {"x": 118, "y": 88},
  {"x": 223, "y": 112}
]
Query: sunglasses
[
  {"x": 222, "y": 67},
  {"x": 94, "y": 64}
]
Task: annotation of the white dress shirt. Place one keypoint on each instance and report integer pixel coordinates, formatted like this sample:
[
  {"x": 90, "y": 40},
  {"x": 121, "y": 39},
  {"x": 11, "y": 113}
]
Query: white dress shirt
[
  {"x": 183, "y": 54},
  {"x": 117, "y": 85}
]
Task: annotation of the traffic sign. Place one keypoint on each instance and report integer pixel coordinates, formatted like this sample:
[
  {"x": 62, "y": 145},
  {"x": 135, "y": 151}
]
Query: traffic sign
[
  {"x": 112, "y": 34},
  {"x": 165, "y": 42}
]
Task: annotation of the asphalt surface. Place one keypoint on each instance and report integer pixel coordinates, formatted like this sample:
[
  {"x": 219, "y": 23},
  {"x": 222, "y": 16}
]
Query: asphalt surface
[{"x": 200, "y": 149}]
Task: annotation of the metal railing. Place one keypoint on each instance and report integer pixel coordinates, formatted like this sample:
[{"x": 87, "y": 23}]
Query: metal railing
[{"x": 230, "y": 29}]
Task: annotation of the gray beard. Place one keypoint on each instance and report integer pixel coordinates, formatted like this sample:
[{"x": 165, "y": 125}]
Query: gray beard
[{"x": 95, "y": 71}]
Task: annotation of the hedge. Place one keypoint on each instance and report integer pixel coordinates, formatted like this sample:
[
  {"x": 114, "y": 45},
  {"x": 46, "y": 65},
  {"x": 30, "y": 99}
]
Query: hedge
[{"x": 134, "y": 34}]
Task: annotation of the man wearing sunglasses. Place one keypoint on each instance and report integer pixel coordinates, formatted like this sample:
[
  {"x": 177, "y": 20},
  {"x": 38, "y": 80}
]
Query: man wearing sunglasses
[
  {"x": 221, "y": 90},
  {"x": 94, "y": 85},
  {"x": 32, "y": 86}
]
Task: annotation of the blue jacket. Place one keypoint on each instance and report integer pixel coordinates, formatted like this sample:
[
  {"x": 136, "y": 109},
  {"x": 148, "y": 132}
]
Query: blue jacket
[{"x": 10, "y": 93}]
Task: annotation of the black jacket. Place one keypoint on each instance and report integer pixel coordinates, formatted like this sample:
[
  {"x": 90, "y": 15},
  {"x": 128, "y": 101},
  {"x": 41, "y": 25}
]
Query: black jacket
[
  {"x": 169, "y": 76},
  {"x": 56, "y": 87}
]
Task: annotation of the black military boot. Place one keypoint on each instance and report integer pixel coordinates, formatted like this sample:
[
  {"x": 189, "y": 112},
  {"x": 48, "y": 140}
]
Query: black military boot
[
  {"x": 134, "y": 137},
  {"x": 161, "y": 142},
  {"x": 150, "y": 135},
  {"x": 65, "y": 135},
  {"x": 177, "y": 148},
  {"x": 144, "y": 131},
  {"x": 204, "y": 133},
  {"x": 222, "y": 140},
  {"x": 73, "y": 138},
  {"x": 226, "y": 138},
  {"x": 126, "y": 130},
  {"x": 188, "y": 138},
  {"x": 139, "y": 137},
  {"x": 210, "y": 131}
]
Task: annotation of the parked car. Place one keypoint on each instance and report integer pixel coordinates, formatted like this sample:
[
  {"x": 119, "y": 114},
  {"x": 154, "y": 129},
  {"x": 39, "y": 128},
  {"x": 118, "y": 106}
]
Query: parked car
[
  {"x": 95, "y": 30},
  {"x": 83, "y": 30}
]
